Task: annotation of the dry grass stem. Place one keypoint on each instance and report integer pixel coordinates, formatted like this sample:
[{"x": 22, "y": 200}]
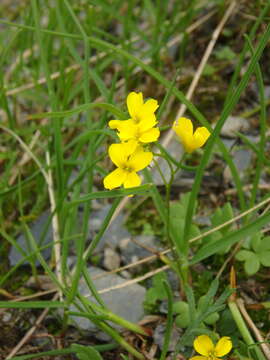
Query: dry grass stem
[{"x": 55, "y": 225}]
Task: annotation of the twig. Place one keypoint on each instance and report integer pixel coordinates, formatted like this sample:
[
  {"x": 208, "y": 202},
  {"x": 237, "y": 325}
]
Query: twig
[
  {"x": 24, "y": 159},
  {"x": 133, "y": 281},
  {"x": 25, "y": 55}
]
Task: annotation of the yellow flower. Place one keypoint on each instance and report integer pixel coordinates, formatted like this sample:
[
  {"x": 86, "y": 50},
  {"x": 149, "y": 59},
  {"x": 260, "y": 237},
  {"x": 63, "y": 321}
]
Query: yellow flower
[
  {"x": 204, "y": 346},
  {"x": 129, "y": 159},
  {"x": 191, "y": 141},
  {"x": 140, "y": 126}
]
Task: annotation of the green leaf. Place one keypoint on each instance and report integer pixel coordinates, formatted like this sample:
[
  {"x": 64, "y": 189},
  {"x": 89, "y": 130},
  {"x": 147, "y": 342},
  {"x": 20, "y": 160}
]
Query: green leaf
[
  {"x": 252, "y": 264},
  {"x": 177, "y": 210},
  {"x": 86, "y": 352},
  {"x": 256, "y": 242},
  {"x": 225, "y": 53},
  {"x": 243, "y": 255},
  {"x": 140, "y": 190},
  {"x": 31, "y": 304},
  {"x": 264, "y": 258},
  {"x": 157, "y": 291},
  {"x": 212, "y": 319},
  {"x": 177, "y": 222},
  {"x": 58, "y": 114},
  {"x": 209, "y": 70},
  {"x": 202, "y": 301},
  {"x": 222, "y": 215},
  {"x": 230, "y": 239},
  {"x": 265, "y": 244},
  {"x": 182, "y": 320},
  {"x": 226, "y": 324},
  {"x": 180, "y": 307}
]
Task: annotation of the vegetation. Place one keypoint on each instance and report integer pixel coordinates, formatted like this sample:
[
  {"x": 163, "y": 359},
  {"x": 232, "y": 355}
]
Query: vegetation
[{"x": 93, "y": 95}]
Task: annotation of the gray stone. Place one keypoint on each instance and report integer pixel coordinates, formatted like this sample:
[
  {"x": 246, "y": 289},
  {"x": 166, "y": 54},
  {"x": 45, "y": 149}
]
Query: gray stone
[
  {"x": 267, "y": 92},
  {"x": 131, "y": 251},
  {"x": 242, "y": 159},
  {"x": 113, "y": 234},
  {"x": 111, "y": 259},
  {"x": 234, "y": 124},
  {"x": 126, "y": 302},
  {"x": 229, "y": 143},
  {"x": 36, "y": 229},
  {"x": 159, "y": 334}
]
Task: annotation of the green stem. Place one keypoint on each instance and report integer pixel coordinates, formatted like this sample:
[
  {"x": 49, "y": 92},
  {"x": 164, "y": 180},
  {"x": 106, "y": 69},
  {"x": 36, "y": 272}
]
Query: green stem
[
  {"x": 119, "y": 320},
  {"x": 169, "y": 324},
  {"x": 244, "y": 330}
]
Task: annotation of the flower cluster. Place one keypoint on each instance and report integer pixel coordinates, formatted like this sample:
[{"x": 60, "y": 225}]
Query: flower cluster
[
  {"x": 204, "y": 346},
  {"x": 130, "y": 155}
]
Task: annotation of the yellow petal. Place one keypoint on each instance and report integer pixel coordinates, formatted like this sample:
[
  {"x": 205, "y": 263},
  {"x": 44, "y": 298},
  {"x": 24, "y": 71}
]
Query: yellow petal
[
  {"x": 200, "y": 136},
  {"x": 198, "y": 358},
  {"x": 203, "y": 345},
  {"x": 223, "y": 346},
  {"x": 132, "y": 180},
  {"x": 114, "y": 124},
  {"x": 115, "y": 179},
  {"x": 120, "y": 124},
  {"x": 150, "y": 135},
  {"x": 183, "y": 127},
  {"x": 131, "y": 146},
  {"x": 129, "y": 132},
  {"x": 139, "y": 160},
  {"x": 119, "y": 154},
  {"x": 150, "y": 105},
  {"x": 146, "y": 121},
  {"x": 134, "y": 103}
]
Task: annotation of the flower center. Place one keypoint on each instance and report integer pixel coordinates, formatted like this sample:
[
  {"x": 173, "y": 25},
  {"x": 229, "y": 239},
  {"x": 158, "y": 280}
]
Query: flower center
[
  {"x": 128, "y": 169},
  {"x": 136, "y": 119},
  {"x": 211, "y": 355}
]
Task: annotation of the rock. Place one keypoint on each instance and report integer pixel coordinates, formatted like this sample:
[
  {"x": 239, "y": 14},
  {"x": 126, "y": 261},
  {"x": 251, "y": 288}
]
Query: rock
[
  {"x": 131, "y": 251},
  {"x": 159, "y": 334},
  {"x": 229, "y": 143},
  {"x": 126, "y": 302},
  {"x": 173, "y": 279},
  {"x": 242, "y": 159},
  {"x": 111, "y": 259},
  {"x": 234, "y": 124},
  {"x": 266, "y": 92},
  {"x": 202, "y": 221},
  {"x": 36, "y": 229},
  {"x": 42, "y": 282},
  {"x": 113, "y": 234}
]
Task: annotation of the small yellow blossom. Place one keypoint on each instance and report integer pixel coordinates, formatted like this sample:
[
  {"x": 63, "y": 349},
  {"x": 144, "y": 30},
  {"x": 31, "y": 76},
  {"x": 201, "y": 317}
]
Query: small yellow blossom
[
  {"x": 204, "y": 346},
  {"x": 191, "y": 141},
  {"x": 129, "y": 159},
  {"x": 140, "y": 126}
]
